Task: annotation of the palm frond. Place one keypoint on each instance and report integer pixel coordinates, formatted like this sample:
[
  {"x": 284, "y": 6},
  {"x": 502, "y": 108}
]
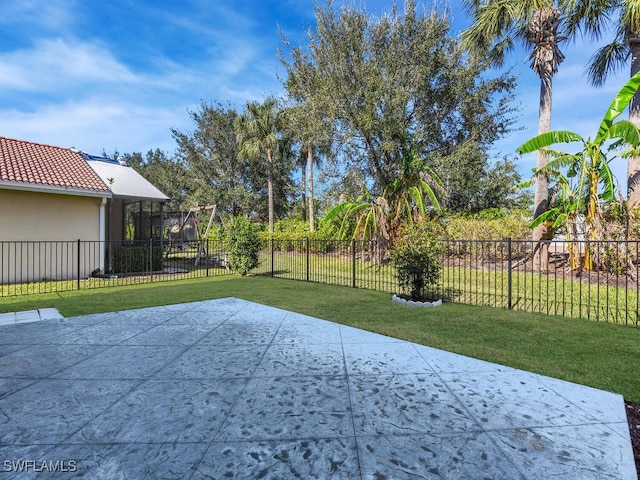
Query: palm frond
[
  {"x": 631, "y": 15},
  {"x": 416, "y": 195},
  {"x": 338, "y": 209},
  {"x": 608, "y": 59},
  {"x": 555, "y": 164},
  {"x": 429, "y": 192},
  {"x": 586, "y": 16},
  {"x": 546, "y": 139},
  {"x": 491, "y": 30}
]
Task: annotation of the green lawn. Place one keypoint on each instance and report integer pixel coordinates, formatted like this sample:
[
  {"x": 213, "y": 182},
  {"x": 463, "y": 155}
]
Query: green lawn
[
  {"x": 601, "y": 355},
  {"x": 531, "y": 291},
  {"x": 611, "y": 299}
]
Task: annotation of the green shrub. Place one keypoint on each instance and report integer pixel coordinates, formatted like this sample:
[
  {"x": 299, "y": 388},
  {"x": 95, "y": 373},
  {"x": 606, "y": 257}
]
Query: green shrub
[
  {"x": 243, "y": 246},
  {"x": 479, "y": 232},
  {"x": 290, "y": 235},
  {"x": 135, "y": 258},
  {"x": 416, "y": 257},
  {"x": 491, "y": 224}
]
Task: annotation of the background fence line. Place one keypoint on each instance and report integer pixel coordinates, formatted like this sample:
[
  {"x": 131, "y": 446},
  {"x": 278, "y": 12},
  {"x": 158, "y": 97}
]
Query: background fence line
[{"x": 495, "y": 273}]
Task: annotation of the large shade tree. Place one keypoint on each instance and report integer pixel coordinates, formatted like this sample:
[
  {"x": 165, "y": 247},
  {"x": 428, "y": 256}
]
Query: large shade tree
[
  {"x": 623, "y": 49},
  {"x": 540, "y": 26},
  {"x": 216, "y": 173},
  {"x": 395, "y": 84}
]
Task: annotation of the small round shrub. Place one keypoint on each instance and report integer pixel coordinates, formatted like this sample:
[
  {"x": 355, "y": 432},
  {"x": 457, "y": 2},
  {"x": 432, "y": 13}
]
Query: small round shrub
[{"x": 416, "y": 255}]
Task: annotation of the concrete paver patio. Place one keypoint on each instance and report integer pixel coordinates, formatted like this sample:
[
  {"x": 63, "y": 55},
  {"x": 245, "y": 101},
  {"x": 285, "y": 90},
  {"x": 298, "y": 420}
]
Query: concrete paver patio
[{"x": 232, "y": 389}]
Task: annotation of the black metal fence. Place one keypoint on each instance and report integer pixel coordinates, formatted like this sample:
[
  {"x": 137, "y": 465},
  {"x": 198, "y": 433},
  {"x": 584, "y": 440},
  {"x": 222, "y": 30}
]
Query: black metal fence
[
  {"x": 495, "y": 273},
  {"x": 46, "y": 267},
  {"x": 489, "y": 273}
]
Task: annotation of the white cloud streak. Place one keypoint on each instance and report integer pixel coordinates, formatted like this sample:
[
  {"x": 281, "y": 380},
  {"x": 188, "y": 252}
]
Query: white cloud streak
[{"x": 55, "y": 64}]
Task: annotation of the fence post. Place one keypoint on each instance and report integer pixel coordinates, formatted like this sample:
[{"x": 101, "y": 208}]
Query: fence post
[
  {"x": 307, "y": 256},
  {"x": 272, "y": 257},
  {"x": 207, "y": 251},
  {"x": 151, "y": 257},
  {"x": 78, "y": 258},
  {"x": 509, "y": 266},
  {"x": 353, "y": 262}
]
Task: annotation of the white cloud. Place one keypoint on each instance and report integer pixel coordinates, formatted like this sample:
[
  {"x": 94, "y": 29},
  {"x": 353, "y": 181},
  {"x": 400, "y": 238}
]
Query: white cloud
[
  {"x": 94, "y": 125},
  {"x": 36, "y": 14},
  {"x": 223, "y": 15},
  {"x": 56, "y": 63}
]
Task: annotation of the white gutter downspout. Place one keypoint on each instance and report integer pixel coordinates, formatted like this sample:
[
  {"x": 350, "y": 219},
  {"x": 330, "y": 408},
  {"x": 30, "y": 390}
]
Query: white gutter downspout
[{"x": 102, "y": 236}]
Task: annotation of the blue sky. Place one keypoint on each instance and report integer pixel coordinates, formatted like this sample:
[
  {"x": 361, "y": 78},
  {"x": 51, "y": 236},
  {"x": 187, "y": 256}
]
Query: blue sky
[{"x": 119, "y": 74}]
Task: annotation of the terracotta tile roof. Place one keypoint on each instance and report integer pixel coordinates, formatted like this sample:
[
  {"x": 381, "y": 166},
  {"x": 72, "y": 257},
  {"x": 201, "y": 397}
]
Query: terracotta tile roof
[{"x": 44, "y": 165}]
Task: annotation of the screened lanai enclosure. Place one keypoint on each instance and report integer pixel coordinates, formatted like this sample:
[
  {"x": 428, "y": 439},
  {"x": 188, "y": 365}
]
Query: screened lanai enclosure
[{"x": 143, "y": 220}]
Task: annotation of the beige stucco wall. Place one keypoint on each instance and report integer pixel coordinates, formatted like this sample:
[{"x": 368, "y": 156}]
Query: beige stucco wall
[{"x": 39, "y": 233}]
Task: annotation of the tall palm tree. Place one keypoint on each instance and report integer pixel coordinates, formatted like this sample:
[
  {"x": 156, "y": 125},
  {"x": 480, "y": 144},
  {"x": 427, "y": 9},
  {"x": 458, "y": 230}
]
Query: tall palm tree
[
  {"x": 313, "y": 138},
  {"x": 314, "y": 153},
  {"x": 625, "y": 46},
  {"x": 311, "y": 160},
  {"x": 302, "y": 163},
  {"x": 541, "y": 26},
  {"x": 258, "y": 131},
  {"x": 306, "y": 162}
]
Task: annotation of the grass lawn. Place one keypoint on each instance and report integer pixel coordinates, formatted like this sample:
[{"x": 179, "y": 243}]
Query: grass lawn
[
  {"x": 601, "y": 355},
  {"x": 531, "y": 292}
]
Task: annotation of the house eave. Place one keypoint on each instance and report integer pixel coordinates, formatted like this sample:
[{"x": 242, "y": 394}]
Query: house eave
[
  {"x": 130, "y": 198},
  {"x": 40, "y": 188}
]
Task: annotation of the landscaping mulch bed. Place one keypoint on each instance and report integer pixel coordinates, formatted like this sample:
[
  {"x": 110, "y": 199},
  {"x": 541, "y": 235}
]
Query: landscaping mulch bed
[{"x": 633, "y": 418}]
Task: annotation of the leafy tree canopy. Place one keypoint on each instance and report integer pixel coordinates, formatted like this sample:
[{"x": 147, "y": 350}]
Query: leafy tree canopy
[
  {"x": 210, "y": 154},
  {"x": 395, "y": 86},
  {"x": 168, "y": 175}
]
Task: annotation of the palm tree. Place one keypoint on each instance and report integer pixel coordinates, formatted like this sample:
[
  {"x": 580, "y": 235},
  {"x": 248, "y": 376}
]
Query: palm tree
[
  {"x": 309, "y": 167},
  {"x": 538, "y": 25},
  {"x": 315, "y": 151},
  {"x": 625, "y": 46},
  {"x": 306, "y": 161},
  {"x": 313, "y": 137},
  {"x": 258, "y": 131},
  {"x": 302, "y": 163}
]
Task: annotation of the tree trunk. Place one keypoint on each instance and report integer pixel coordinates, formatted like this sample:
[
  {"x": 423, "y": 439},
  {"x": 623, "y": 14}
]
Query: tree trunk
[
  {"x": 541, "y": 192},
  {"x": 312, "y": 222},
  {"x": 270, "y": 188},
  {"x": 303, "y": 202},
  {"x": 592, "y": 210},
  {"x": 633, "y": 163}
]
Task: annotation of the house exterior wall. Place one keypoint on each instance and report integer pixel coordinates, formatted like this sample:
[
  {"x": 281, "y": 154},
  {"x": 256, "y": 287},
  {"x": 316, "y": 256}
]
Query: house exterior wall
[{"x": 39, "y": 233}]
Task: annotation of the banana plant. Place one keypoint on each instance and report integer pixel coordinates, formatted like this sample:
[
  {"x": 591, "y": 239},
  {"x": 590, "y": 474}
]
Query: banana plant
[{"x": 588, "y": 177}]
